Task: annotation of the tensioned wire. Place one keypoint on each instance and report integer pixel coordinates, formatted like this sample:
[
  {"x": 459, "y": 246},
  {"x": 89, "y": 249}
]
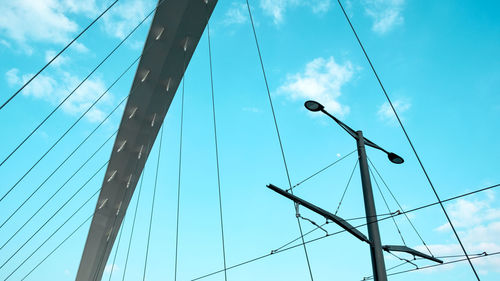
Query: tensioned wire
[
  {"x": 216, "y": 149},
  {"x": 75, "y": 149},
  {"x": 81, "y": 143},
  {"x": 279, "y": 138},
  {"x": 285, "y": 249},
  {"x": 343, "y": 230},
  {"x": 58, "y": 54},
  {"x": 56, "y": 192},
  {"x": 409, "y": 141},
  {"x": 399, "y": 206},
  {"x": 387, "y": 205},
  {"x": 80, "y": 84},
  {"x": 53, "y": 233},
  {"x": 179, "y": 169},
  {"x": 152, "y": 206}
]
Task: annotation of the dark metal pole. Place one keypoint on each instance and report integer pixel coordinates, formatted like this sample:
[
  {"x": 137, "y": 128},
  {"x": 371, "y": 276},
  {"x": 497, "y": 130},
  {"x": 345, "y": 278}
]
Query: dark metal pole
[{"x": 378, "y": 264}]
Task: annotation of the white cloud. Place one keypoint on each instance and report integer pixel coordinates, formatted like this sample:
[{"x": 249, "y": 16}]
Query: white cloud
[
  {"x": 478, "y": 224},
  {"x": 322, "y": 80},
  {"x": 277, "y": 8},
  {"x": 125, "y": 16},
  {"x": 385, "y": 112},
  {"x": 48, "y": 89},
  {"x": 236, "y": 14},
  {"x": 47, "y": 21},
  {"x": 386, "y": 14}
]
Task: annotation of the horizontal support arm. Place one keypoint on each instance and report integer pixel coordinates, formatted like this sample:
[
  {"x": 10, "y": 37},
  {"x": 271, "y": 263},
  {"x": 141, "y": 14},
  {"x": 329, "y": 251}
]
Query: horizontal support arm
[
  {"x": 338, "y": 220},
  {"x": 396, "y": 248}
]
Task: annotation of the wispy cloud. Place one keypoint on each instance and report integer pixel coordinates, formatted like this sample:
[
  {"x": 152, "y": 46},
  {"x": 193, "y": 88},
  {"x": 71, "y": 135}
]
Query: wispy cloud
[
  {"x": 48, "y": 89},
  {"x": 236, "y": 14},
  {"x": 478, "y": 224},
  {"x": 277, "y": 8},
  {"x": 386, "y": 113},
  {"x": 125, "y": 16},
  {"x": 322, "y": 80},
  {"x": 26, "y": 22},
  {"x": 386, "y": 14}
]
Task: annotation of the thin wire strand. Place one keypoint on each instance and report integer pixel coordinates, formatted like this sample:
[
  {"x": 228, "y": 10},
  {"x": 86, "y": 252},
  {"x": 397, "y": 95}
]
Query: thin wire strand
[
  {"x": 57, "y": 247},
  {"x": 79, "y": 85},
  {"x": 278, "y": 135},
  {"x": 216, "y": 150},
  {"x": 65, "y": 133},
  {"x": 152, "y": 207},
  {"x": 346, "y": 187},
  {"x": 55, "y": 193},
  {"x": 400, "y": 207},
  {"x": 116, "y": 251},
  {"x": 411, "y": 143},
  {"x": 180, "y": 169},
  {"x": 387, "y": 205},
  {"x": 47, "y": 221},
  {"x": 133, "y": 227},
  {"x": 322, "y": 170},
  {"x": 51, "y": 235},
  {"x": 343, "y": 230},
  {"x": 57, "y": 55}
]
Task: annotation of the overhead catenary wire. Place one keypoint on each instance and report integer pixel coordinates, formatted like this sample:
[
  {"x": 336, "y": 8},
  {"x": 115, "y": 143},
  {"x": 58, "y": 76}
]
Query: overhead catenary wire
[
  {"x": 55, "y": 193},
  {"x": 409, "y": 141},
  {"x": 472, "y": 257},
  {"x": 278, "y": 136},
  {"x": 322, "y": 170},
  {"x": 346, "y": 187},
  {"x": 58, "y": 54},
  {"x": 400, "y": 207},
  {"x": 343, "y": 230},
  {"x": 81, "y": 83},
  {"x": 216, "y": 150},
  {"x": 152, "y": 207}
]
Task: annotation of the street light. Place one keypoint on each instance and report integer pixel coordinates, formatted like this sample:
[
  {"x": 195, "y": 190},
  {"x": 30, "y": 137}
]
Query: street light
[
  {"x": 378, "y": 263},
  {"x": 315, "y": 106}
]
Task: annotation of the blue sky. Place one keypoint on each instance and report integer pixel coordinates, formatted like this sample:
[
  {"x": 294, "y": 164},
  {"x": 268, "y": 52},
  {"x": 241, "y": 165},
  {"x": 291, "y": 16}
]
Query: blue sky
[{"x": 437, "y": 59}]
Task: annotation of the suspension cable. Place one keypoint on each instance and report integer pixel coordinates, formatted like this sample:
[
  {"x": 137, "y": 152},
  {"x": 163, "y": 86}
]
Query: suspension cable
[
  {"x": 387, "y": 205},
  {"x": 322, "y": 170},
  {"x": 57, "y": 247},
  {"x": 50, "y": 236},
  {"x": 133, "y": 227},
  {"x": 343, "y": 230},
  {"x": 80, "y": 84},
  {"x": 152, "y": 206},
  {"x": 410, "y": 142},
  {"x": 180, "y": 169},
  {"x": 216, "y": 150},
  {"x": 58, "y": 54},
  {"x": 66, "y": 132},
  {"x": 346, "y": 187},
  {"x": 400, "y": 207},
  {"x": 122, "y": 227},
  {"x": 279, "y": 138},
  {"x": 55, "y": 193}
]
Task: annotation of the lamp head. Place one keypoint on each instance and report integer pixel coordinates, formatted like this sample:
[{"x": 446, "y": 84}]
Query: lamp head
[
  {"x": 313, "y": 106},
  {"x": 394, "y": 158}
]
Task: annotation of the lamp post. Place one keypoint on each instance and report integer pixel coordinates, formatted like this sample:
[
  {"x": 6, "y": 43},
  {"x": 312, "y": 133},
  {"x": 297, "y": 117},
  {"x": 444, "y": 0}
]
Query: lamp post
[{"x": 378, "y": 264}]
